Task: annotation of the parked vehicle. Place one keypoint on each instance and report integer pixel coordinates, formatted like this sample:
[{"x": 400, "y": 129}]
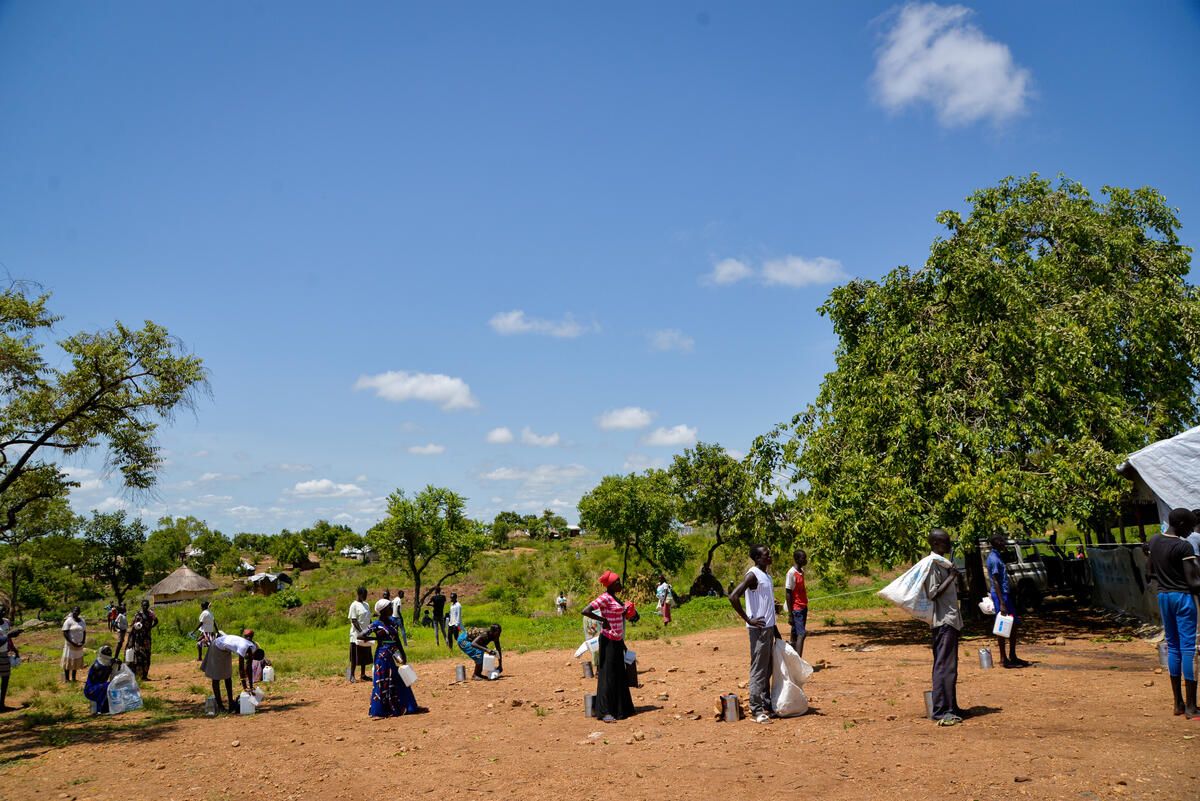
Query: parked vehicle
[{"x": 1037, "y": 569}]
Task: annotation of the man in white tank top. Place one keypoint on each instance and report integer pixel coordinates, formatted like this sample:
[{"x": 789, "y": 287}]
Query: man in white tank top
[{"x": 760, "y": 623}]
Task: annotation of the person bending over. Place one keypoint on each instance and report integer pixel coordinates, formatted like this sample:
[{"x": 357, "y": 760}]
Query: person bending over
[{"x": 475, "y": 643}]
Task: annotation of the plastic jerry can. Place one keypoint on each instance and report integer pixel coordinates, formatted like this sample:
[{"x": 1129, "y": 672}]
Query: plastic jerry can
[
  {"x": 268, "y": 674},
  {"x": 490, "y": 662},
  {"x": 246, "y": 704}
]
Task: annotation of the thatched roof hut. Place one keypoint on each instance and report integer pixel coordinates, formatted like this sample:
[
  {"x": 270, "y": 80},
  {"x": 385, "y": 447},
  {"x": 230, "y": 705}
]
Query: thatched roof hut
[{"x": 182, "y": 585}]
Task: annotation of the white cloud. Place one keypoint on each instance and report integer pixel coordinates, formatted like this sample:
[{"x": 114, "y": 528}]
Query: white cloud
[
  {"x": 727, "y": 271},
  {"x": 540, "y": 477},
  {"x": 515, "y": 322},
  {"x": 207, "y": 500},
  {"x": 933, "y": 54},
  {"x": 289, "y": 467},
  {"x": 499, "y": 436},
  {"x": 733, "y": 453},
  {"x": 637, "y": 462},
  {"x": 207, "y": 477},
  {"x": 361, "y": 477},
  {"x": 88, "y": 479},
  {"x": 245, "y": 512},
  {"x": 324, "y": 488},
  {"x": 200, "y": 454},
  {"x": 538, "y": 440},
  {"x": 431, "y": 449},
  {"x": 627, "y": 418},
  {"x": 397, "y": 385},
  {"x": 671, "y": 339},
  {"x": 795, "y": 271},
  {"x": 112, "y": 504},
  {"x": 670, "y": 437}
]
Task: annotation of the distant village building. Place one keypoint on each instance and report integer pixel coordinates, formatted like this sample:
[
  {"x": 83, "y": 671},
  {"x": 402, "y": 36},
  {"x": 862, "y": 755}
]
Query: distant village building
[
  {"x": 182, "y": 585},
  {"x": 268, "y": 583},
  {"x": 574, "y": 531},
  {"x": 365, "y": 554}
]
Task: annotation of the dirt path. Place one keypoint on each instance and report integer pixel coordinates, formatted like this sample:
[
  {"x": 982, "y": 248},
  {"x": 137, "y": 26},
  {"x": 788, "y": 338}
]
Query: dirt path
[{"x": 1089, "y": 721}]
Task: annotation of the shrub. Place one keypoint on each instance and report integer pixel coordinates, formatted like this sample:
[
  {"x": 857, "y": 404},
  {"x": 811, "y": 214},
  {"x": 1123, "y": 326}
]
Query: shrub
[{"x": 288, "y": 599}]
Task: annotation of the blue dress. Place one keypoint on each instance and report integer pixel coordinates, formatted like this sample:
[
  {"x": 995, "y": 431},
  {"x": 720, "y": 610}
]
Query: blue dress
[
  {"x": 390, "y": 696},
  {"x": 998, "y": 573},
  {"x": 95, "y": 689}
]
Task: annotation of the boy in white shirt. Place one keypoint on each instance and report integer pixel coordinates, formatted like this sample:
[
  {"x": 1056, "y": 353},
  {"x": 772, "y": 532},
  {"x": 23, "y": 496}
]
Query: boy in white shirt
[
  {"x": 206, "y": 630},
  {"x": 360, "y": 649},
  {"x": 398, "y": 614},
  {"x": 455, "y": 621}
]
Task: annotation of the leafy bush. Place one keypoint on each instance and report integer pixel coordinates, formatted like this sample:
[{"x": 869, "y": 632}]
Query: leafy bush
[{"x": 288, "y": 599}]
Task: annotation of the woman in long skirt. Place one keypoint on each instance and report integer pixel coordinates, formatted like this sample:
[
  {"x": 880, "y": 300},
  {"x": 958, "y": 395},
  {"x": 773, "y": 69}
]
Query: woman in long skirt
[
  {"x": 141, "y": 639},
  {"x": 390, "y": 696},
  {"x": 613, "y": 700},
  {"x": 75, "y": 635}
]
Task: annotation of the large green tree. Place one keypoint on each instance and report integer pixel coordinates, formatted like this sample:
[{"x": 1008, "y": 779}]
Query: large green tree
[
  {"x": 166, "y": 547},
  {"x": 114, "y": 550},
  {"x": 713, "y": 489},
  {"x": 22, "y": 548},
  {"x": 636, "y": 511},
  {"x": 1049, "y": 334},
  {"x": 428, "y": 530},
  {"x": 114, "y": 387}
]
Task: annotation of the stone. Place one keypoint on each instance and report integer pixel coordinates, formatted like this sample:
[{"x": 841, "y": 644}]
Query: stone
[
  {"x": 516, "y": 702},
  {"x": 339, "y": 738},
  {"x": 664, "y": 697},
  {"x": 1059, "y": 641},
  {"x": 639, "y": 735},
  {"x": 1021, "y": 779},
  {"x": 1148, "y": 683},
  {"x": 235, "y": 743}
]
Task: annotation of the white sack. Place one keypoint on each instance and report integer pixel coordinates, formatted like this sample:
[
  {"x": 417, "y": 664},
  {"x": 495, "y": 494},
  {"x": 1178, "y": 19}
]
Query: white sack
[
  {"x": 908, "y": 589},
  {"x": 788, "y": 674}
]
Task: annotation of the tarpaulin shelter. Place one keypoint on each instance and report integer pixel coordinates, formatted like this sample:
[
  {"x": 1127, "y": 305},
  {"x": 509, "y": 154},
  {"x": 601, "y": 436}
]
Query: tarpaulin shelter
[{"x": 1167, "y": 472}]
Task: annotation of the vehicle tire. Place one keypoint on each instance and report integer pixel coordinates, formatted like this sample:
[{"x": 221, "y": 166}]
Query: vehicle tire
[{"x": 1029, "y": 598}]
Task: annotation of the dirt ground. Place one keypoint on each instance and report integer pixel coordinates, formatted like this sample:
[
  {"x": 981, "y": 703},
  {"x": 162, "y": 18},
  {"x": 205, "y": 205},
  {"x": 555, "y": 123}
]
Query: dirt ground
[{"x": 1090, "y": 720}]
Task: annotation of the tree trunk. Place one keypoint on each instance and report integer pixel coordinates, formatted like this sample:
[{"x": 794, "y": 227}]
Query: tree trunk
[
  {"x": 708, "y": 559},
  {"x": 625, "y": 563}
]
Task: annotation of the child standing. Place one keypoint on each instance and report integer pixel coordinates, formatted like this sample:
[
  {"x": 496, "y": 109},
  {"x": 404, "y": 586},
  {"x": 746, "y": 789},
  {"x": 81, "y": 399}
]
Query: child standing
[
  {"x": 664, "y": 593},
  {"x": 797, "y": 600},
  {"x": 942, "y": 590}
]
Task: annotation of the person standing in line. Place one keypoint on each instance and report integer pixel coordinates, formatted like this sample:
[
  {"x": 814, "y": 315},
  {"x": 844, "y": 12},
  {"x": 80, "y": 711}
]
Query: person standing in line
[
  {"x": 438, "y": 601},
  {"x": 110, "y": 611},
  {"x": 1194, "y": 537},
  {"x": 398, "y": 614},
  {"x": 95, "y": 686},
  {"x": 121, "y": 627},
  {"x": 74, "y": 633},
  {"x": 452, "y": 631},
  {"x": 1174, "y": 566},
  {"x": 141, "y": 639},
  {"x": 1002, "y": 600},
  {"x": 206, "y": 630},
  {"x": 8, "y": 649},
  {"x": 560, "y": 603},
  {"x": 759, "y": 590},
  {"x": 390, "y": 696},
  {"x": 613, "y": 699},
  {"x": 797, "y": 600},
  {"x": 360, "y": 647},
  {"x": 664, "y": 594},
  {"x": 941, "y": 586}
]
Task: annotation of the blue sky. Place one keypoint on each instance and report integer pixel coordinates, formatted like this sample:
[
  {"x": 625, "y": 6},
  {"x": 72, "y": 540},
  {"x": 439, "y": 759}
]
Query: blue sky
[{"x": 392, "y": 230}]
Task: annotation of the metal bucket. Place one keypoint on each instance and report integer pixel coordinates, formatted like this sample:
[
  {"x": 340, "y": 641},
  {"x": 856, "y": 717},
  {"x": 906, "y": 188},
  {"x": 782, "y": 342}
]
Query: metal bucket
[
  {"x": 460, "y": 673},
  {"x": 730, "y": 710},
  {"x": 210, "y": 706},
  {"x": 588, "y": 671},
  {"x": 929, "y": 704},
  {"x": 985, "y": 658},
  {"x": 1163, "y": 658},
  {"x": 589, "y": 705}
]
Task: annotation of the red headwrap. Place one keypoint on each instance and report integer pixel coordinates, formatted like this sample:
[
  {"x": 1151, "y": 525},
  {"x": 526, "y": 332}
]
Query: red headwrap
[{"x": 608, "y": 577}]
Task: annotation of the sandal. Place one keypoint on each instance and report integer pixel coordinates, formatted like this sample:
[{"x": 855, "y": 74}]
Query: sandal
[{"x": 950, "y": 720}]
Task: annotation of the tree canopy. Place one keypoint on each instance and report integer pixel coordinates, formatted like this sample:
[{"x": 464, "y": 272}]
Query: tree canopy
[
  {"x": 714, "y": 489},
  {"x": 118, "y": 383},
  {"x": 428, "y": 529},
  {"x": 636, "y": 511},
  {"x": 1047, "y": 336},
  {"x": 114, "y": 549}
]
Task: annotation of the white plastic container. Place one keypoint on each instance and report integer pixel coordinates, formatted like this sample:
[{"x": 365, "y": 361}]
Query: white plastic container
[
  {"x": 630, "y": 656},
  {"x": 490, "y": 663},
  {"x": 246, "y": 704},
  {"x": 1004, "y": 626},
  {"x": 129, "y": 656},
  {"x": 268, "y": 674},
  {"x": 407, "y": 675},
  {"x": 495, "y": 674},
  {"x": 258, "y": 695}
]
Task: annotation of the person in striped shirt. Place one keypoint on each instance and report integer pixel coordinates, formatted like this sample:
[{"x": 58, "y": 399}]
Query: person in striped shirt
[{"x": 613, "y": 699}]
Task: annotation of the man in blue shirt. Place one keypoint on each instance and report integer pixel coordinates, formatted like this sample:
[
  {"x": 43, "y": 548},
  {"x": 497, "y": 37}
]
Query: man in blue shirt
[{"x": 1002, "y": 600}]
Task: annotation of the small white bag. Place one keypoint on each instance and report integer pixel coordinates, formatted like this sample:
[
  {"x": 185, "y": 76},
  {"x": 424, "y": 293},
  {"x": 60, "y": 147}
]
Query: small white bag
[
  {"x": 1004, "y": 626},
  {"x": 986, "y": 606}
]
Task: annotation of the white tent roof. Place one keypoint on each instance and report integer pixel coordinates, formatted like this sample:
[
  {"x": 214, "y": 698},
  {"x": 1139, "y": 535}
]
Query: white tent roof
[{"x": 1171, "y": 469}]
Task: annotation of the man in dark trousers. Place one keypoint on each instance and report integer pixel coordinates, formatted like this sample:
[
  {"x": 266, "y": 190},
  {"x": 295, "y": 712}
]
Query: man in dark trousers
[
  {"x": 1173, "y": 565},
  {"x": 438, "y": 601},
  {"x": 942, "y": 589},
  {"x": 760, "y": 625}
]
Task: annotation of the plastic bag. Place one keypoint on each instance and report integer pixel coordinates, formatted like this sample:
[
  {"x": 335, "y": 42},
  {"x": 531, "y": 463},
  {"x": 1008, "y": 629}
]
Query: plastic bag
[
  {"x": 123, "y": 694},
  {"x": 986, "y": 606},
  {"x": 907, "y": 591},
  {"x": 789, "y": 672},
  {"x": 590, "y": 645}
]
